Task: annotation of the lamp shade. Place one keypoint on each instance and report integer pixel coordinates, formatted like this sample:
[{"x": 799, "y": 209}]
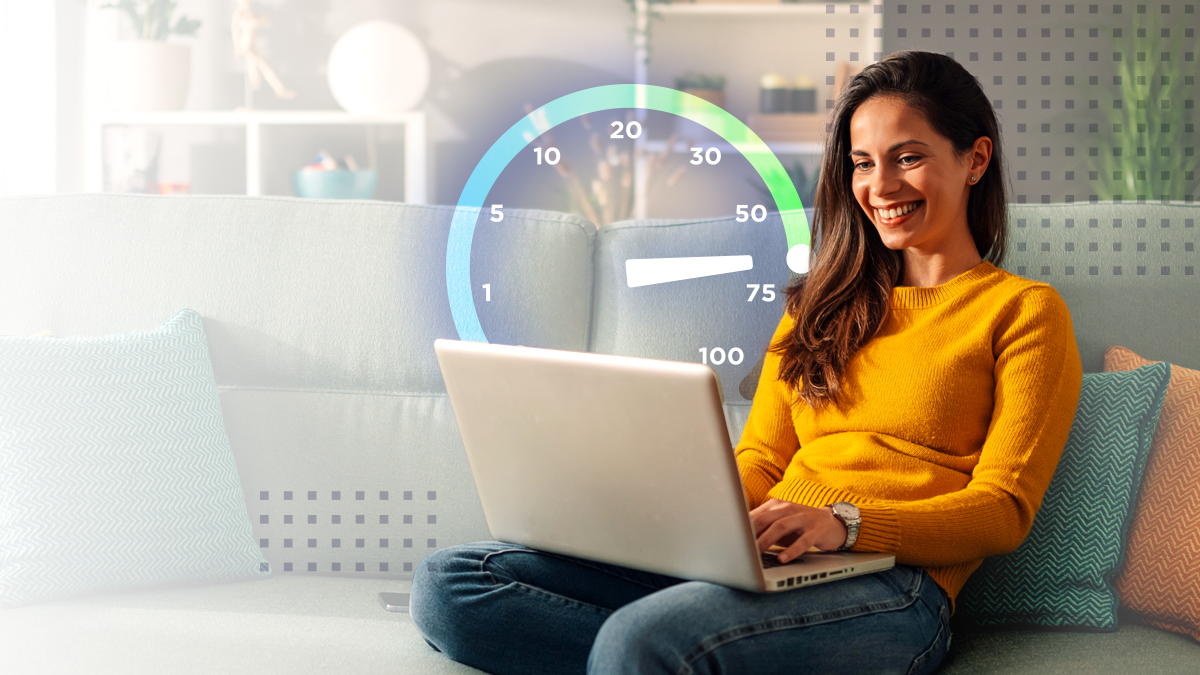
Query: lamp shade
[{"x": 378, "y": 67}]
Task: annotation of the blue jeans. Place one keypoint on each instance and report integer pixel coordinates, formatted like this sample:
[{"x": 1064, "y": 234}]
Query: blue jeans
[{"x": 505, "y": 608}]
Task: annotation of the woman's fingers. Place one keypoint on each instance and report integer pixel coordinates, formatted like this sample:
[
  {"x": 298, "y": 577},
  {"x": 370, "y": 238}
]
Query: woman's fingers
[
  {"x": 782, "y": 529},
  {"x": 796, "y": 527},
  {"x": 770, "y": 511},
  {"x": 798, "y": 548}
]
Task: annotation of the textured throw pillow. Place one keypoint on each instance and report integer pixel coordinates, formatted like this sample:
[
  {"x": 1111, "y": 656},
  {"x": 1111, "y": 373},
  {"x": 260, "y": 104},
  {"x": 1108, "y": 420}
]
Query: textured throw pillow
[
  {"x": 115, "y": 469},
  {"x": 1160, "y": 582},
  {"x": 1063, "y": 574}
]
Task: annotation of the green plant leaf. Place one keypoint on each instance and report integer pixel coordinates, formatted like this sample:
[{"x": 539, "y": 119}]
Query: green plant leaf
[
  {"x": 152, "y": 18},
  {"x": 1154, "y": 105},
  {"x": 186, "y": 26}
]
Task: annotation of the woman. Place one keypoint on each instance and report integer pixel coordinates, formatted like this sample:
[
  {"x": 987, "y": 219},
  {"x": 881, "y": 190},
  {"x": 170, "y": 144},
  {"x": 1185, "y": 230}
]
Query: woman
[{"x": 915, "y": 401}]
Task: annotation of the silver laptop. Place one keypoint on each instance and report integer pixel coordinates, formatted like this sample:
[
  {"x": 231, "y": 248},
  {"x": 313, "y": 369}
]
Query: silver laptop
[{"x": 616, "y": 459}]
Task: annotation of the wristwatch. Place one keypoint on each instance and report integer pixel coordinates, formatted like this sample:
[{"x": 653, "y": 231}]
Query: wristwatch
[{"x": 848, "y": 514}]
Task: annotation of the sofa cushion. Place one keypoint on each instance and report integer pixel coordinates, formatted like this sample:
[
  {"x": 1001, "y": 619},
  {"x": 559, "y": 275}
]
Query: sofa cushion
[
  {"x": 285, "y": 624},
  {"x": 298, "y": 624},
  {"x": 1160, "y": 582},
  {"x": 115, "y": 469},
  {"x": 1131, "y": 649},
  {"x": 359, "y": 483},
  {"x": 1063, "y": 574}
]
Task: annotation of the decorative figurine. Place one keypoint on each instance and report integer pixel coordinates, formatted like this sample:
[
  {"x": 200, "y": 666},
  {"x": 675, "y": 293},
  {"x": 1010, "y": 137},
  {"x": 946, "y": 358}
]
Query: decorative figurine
[{"x": 245, "y": 25}]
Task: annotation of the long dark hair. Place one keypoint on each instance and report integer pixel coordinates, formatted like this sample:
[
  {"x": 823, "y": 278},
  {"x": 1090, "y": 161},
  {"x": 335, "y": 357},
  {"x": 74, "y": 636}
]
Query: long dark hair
[{"x": 846, "y": 296}]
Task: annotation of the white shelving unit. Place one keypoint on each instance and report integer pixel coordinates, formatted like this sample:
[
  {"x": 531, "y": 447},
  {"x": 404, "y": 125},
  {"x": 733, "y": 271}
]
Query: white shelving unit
[
  {"x": 254, "y": 120},
  {"x": 738, "y": 20}
]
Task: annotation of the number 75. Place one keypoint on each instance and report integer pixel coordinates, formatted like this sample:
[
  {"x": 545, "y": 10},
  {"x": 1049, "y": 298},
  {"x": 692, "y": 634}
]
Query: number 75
[{"x": 768, "y": 292}]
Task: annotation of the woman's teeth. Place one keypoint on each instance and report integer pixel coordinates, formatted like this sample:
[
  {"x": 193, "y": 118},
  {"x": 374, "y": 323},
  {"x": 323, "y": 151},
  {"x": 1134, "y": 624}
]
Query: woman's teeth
[{"x": 897, "y": 212}]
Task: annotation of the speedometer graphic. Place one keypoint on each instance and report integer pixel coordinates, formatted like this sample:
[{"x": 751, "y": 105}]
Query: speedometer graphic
[{"x": 748, "y": 248}]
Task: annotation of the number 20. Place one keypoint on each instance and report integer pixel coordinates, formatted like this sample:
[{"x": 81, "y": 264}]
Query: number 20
[{"x": 634, "y": 129}]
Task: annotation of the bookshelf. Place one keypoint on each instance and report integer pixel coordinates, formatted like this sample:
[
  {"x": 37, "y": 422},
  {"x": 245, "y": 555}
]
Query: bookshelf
[
  {"x": 744, "y": 40},
  {"x": 254, "y": 121}
]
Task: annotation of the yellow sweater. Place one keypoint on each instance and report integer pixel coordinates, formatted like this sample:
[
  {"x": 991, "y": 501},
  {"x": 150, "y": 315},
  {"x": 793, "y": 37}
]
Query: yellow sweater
[{"x": 953, "y": 419}]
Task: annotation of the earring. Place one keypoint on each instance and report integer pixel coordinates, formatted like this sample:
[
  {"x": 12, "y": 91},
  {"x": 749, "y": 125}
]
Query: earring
[{"x": 974, "y": 178}]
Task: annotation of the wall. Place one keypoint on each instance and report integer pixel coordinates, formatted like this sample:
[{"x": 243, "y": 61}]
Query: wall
[
  {"x": 1049, "y": 69},
  {"x": 491, "y": 58},
  {"x": 28, "y": 112}
]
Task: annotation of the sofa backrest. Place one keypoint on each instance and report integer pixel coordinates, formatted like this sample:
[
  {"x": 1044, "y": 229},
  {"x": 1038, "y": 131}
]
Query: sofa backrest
[
  {"x": 1127, "y": 271},
  {"x": 320, "y": 318}
]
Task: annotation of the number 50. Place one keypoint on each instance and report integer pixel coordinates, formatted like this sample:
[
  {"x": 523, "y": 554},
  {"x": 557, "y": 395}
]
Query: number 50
[{"x": 757, "y": 214}]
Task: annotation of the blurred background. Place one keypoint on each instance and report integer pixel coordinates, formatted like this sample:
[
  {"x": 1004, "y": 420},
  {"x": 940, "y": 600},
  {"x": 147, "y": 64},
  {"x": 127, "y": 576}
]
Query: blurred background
[{"x": 398, "y": 100}]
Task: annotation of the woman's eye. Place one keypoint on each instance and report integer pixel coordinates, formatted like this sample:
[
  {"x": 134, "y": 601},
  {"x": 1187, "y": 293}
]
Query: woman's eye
[
  {"x": 912, "y": 157},
  {"x": 860, "y": 165}
]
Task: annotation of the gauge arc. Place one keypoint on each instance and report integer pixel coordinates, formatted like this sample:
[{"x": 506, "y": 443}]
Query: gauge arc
[{"x": 588, "y": 101}]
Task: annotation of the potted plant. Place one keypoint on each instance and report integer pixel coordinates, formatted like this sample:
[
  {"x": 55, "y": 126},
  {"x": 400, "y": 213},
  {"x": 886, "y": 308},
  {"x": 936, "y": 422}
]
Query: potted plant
[
  {"x": 711, "y": 88},
  {"x": 148, "y": 73},
  {"x": 1140, "y": 156}
]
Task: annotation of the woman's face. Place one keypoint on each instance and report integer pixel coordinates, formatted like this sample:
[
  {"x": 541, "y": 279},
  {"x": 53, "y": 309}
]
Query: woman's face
[{"x": 908, "y": 178}]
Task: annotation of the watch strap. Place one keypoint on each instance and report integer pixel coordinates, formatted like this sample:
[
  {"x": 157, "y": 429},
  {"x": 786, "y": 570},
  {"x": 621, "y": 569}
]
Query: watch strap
[{"x": 852, "y": 523}]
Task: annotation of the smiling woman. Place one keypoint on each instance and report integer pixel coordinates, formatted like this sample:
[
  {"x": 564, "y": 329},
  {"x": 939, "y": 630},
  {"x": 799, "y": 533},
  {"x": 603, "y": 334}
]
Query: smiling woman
[
  {"x": 916, "y": 191},
  {"x": 914, "y": 392},
  {"x": 915, "y": 402},
  {"x": 914, "y": 131}
]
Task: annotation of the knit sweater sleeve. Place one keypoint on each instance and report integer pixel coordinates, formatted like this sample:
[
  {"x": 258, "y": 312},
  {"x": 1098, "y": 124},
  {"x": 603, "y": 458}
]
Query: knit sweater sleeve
[
  {"x": 1038, "y": 375},
  {"x": 769, "y": 438}
]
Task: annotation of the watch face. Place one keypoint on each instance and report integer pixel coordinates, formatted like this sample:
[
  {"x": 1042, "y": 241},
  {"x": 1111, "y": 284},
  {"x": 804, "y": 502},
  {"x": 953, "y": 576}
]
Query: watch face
[{"x": 846, "y": 510}]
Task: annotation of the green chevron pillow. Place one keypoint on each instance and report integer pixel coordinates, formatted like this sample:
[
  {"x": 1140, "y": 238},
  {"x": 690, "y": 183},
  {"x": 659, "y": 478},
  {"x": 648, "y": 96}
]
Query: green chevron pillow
[
  {"x": 1064, "y": 574},
  {"x": 115, "y": 469}
]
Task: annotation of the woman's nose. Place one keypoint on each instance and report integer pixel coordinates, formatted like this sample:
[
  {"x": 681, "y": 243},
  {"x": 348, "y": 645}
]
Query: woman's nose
[{"x": 884, "y": 180}]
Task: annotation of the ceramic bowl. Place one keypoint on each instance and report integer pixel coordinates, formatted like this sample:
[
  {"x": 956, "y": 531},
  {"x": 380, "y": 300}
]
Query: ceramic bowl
[{"x": 336, "y": 184}]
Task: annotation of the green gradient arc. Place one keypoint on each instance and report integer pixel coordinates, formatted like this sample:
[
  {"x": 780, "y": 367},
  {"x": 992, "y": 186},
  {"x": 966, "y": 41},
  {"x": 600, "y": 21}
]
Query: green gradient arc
[{"x": 588, "y": 101}]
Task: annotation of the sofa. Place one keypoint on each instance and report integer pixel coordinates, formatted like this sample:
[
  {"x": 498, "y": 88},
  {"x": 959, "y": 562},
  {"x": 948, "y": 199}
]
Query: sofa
[{"x": 320, "y": 318}]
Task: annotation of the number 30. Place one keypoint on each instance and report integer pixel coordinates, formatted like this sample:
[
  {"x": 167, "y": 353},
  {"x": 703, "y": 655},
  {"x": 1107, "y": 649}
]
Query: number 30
[{"x": 712, "y": 156}]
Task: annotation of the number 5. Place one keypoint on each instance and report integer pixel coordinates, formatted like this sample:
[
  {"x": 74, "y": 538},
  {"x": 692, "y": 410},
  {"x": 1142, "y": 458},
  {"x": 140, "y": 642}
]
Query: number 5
[
  {"x": 497, "y": 214},
  {"x": 742, "y": 214}
]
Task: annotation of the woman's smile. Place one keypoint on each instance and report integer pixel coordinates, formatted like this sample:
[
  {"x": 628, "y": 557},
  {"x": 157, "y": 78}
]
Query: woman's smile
[{"x": 897, "y": 214}]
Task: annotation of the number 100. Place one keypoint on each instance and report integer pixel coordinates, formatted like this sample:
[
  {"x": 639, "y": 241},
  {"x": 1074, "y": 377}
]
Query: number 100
[{"x": 716, "y": 356}]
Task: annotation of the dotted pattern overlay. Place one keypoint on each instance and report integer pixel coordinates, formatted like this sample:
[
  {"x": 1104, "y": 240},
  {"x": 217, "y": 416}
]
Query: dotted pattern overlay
[
  {"x": 1096, "y": 104},
  {"x": 360, "y": 531},
  {"x": 1054, "y": 248}
]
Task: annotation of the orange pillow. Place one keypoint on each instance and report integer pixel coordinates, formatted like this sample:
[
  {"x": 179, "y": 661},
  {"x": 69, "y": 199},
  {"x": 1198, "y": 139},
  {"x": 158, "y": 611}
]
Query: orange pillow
[{"x": 1160, "y": 582}]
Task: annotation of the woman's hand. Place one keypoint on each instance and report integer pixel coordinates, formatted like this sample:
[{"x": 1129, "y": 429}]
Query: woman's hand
[{"x": 797, "y": 527}]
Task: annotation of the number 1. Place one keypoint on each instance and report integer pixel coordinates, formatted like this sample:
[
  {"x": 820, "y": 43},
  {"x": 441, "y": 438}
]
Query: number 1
[{"x": 487, "y": 292}]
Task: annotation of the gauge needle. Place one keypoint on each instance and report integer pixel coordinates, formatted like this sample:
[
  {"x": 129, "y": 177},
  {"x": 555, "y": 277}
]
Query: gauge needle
[{"x": 647, "y": 271}]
